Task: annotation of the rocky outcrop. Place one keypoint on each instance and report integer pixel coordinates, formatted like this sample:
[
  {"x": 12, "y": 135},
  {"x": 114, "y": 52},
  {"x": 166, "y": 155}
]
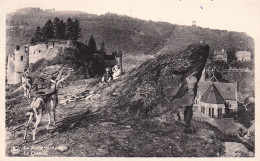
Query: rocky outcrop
[{"x": 160, "y": 86}]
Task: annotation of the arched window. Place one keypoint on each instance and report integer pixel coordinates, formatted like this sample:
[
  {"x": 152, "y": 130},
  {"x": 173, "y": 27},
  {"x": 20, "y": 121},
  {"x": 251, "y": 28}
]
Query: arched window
[{"x": 21, "y": 58}]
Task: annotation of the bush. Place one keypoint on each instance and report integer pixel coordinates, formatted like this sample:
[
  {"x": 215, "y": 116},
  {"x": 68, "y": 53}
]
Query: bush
[
  {"x": 243, "y": 65},
  {"x": 38, "y": 65},
  {"x": 220, "y": 65}
]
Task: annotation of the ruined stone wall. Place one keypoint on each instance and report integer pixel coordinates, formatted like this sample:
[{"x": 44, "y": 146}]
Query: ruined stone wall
[
  {"x": 17, "y": 63},
  {"x": 40, "y": 51}
]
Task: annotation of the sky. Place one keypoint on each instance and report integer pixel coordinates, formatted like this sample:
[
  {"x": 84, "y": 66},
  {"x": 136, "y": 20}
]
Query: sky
[{"x": 232, "y": 15}]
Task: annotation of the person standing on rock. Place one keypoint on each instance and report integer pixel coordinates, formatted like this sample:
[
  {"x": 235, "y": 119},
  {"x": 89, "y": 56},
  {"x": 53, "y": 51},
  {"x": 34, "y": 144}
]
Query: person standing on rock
[{"x": 185, "y": 98}]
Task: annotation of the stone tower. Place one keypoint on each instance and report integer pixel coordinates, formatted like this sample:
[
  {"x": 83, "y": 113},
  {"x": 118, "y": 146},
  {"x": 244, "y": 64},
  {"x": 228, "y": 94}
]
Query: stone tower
[{"x": 17, "y": 63}]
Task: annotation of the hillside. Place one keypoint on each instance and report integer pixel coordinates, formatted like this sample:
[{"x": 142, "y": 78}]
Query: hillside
[
  {"x": 123, "y": 118},
  {"x": 131, "y": 35}
]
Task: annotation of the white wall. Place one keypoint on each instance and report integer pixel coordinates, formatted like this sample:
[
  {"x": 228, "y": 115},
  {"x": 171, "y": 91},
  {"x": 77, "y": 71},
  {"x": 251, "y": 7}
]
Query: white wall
[
  {"x": 213, "y": 106},
  {"x": 232, "y": 105}
]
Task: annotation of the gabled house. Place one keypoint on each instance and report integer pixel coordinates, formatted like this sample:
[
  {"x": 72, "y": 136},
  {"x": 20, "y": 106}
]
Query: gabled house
[
  {"x": 220, "y": 55},
  {"x": 213, "y": 97},
  {"x": 243, "y": 55}
]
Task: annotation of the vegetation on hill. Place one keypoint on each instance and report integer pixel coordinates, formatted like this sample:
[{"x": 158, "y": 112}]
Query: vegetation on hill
[
  {"x": 57, "y": 30},
  {"x": 128, "y": 34}
]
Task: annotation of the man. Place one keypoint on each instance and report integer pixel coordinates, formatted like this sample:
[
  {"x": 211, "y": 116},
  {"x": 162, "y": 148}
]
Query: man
[
  {"x": 107, "y": 77},
  {"x": 185, "y": 98}
]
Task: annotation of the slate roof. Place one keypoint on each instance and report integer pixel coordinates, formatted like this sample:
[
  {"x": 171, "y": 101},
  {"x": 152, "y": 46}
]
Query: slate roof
[
  {"x": 227, "y": 90},
  {"x": 212, "y": 96}
]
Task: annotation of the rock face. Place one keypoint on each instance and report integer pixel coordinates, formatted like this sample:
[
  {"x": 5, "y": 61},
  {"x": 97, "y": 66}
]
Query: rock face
[{"x": 161, "y": 85}]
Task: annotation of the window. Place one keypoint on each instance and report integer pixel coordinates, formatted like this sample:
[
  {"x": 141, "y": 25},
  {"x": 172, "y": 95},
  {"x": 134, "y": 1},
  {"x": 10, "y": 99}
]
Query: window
[
  {"x": 203, "y": 109},
  {"x": 21, "y": 58}
]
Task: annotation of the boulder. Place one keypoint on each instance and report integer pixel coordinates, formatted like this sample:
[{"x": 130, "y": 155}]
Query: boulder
[{"x": 161, "y": 85}]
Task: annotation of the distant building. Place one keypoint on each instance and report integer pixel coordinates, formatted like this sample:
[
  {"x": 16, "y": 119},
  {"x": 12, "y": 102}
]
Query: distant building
[
  {"x": 193, "y": 23},
  {"x": 50, "y": 10},
  {"x": 243, "y": 55},
  {"x": 220, "y": 55}
]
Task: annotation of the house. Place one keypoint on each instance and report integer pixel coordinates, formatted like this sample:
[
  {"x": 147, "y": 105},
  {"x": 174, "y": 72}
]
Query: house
[
  {"x": 220, "y": 55},
  {"x": 213, "y": 97},
  {"x": 243, "y": 55}
]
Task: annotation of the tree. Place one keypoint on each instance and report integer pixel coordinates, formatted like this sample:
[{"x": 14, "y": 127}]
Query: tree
[
  {"x": 47, "y": 30},
  {"x": 76, "y": 30},
  {"x": 69, "y": 29},
  {"x": 56, "y": 24},
  {"x": 103, "y": 47},
  {"x": 220, "y": 65},
  {"x": 61, "y": 30},
  {"x": 231, "y": 55},
  {"x": 92, "y": 44},
  {"x": 243, "y": 65},
  {"x": 38, "y": 35}
]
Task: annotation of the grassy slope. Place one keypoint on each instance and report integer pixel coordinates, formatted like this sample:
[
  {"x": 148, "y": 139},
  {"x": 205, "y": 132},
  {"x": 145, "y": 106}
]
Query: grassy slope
[{"x": 89, "y": 133}]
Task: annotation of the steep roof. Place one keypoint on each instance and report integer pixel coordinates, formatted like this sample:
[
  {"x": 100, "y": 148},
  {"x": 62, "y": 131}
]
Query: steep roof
[
  {"x": 227, "y": 90},
  {"x": 212, "y": 95}
]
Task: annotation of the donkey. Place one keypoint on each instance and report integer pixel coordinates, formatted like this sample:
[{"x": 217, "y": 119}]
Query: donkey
[{"x": 41, "y": 102}]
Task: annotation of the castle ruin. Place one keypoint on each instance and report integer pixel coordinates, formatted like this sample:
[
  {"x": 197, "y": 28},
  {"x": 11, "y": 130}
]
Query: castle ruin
[{"x": 18, "y": 62}]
